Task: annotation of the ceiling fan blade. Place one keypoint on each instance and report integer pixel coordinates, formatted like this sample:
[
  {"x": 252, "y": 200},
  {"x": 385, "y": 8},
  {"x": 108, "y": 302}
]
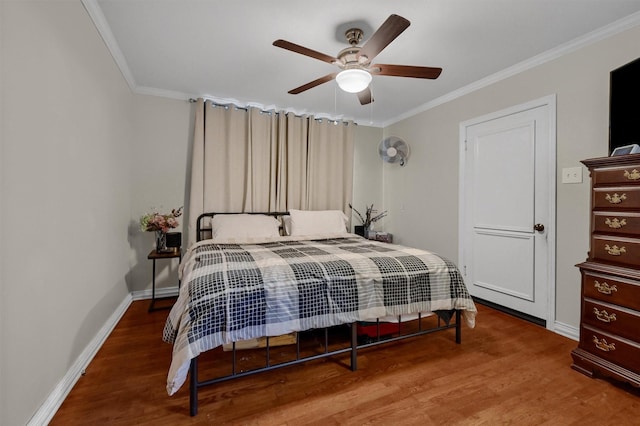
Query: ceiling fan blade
[
  {"x": 365, "y": 96},
  {"x": 405, "y": 71},
  {"x": 388, "y": 31},
  {"x": 313, "y": 83},
  {"x": 304, "y": 51}
]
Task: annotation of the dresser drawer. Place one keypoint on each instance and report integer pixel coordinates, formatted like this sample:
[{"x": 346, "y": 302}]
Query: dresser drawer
[
  {"x": 616, "y": 175},
  {"x": 615, "y": 349},
  {"x": 611, "y": 318},
  {"x": 616, "y": 198},
  {"x": 610, "y": 305},
  {"x": 616, "y": 223},
  {"x": 615, "y": 291},
  {"x": 617, "y": 250}
]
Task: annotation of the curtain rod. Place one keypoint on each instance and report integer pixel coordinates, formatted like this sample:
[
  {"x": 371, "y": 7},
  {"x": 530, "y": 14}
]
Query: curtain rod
[{"x": 263, "y": 111}]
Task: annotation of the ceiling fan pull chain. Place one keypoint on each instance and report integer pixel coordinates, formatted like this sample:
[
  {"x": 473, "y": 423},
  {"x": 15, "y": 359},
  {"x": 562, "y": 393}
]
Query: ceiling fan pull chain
[{"x": 371, "y": 107}]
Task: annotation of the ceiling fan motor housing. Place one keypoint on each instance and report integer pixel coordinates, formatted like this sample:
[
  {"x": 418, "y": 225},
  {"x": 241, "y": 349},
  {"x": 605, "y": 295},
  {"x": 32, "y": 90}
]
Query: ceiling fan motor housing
[{"x": 348, "y": 58}]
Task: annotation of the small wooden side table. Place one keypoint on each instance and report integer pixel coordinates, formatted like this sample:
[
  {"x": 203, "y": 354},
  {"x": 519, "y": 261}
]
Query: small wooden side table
[{"x": 154, "y": 255}]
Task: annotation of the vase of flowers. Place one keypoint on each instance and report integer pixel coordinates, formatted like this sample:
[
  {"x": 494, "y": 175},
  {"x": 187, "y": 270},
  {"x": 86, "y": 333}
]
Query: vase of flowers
[
  {"x": 160, "y": 224},
  {"x": 367, "y": 220}
]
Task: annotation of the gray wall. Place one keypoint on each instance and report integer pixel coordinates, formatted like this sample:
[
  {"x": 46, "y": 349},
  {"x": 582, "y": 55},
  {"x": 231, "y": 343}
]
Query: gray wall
[
  {"x": 428, "y": 187},
  {"x": 66, "y": 137},
  {"x": 81, "y": 159},
  {"x": 367, "y": 171},
  {"x": 163, "y": 133}
]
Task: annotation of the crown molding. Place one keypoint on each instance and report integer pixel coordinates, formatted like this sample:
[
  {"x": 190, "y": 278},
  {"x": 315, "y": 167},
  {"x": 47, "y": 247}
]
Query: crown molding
[
  {"x": 631, "y": 21},
  {"x": 602, "y": 33},
  {"x": 96, "y": 15}
]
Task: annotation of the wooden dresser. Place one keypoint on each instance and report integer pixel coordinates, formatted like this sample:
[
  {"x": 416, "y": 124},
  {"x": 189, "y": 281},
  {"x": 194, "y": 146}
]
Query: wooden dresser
[{"x": 610, "y": 319}]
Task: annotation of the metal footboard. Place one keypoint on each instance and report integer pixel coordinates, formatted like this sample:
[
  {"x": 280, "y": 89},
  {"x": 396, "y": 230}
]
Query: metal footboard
[{"x": 195, "y": 384}]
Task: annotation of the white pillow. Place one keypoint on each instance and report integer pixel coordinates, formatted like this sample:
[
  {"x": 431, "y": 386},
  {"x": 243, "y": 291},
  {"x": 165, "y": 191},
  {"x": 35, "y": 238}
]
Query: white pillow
[
  {"x": 286, "y": 222},
  {"x": 313, "y": 222},
  {"x": 244, "y": 225}
]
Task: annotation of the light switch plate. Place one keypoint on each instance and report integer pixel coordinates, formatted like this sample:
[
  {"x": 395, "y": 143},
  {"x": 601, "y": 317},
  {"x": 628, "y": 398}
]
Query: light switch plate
[{"x": 572, "y": 175}]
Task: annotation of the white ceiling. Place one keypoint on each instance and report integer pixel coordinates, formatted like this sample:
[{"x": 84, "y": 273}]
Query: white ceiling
[{"x": 223, "y": 49}]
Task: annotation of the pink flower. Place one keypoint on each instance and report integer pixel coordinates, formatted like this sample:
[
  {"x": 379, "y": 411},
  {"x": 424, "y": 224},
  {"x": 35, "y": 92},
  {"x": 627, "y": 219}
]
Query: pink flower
[{"x": 160, "y": 222}]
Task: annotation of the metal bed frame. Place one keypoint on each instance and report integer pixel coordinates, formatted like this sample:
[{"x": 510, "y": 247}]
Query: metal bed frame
[{"x": 195, "y": 384}]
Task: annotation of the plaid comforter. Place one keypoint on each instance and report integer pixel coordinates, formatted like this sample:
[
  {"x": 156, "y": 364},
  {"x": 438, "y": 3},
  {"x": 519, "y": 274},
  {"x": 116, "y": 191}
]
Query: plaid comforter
[{"x": 236, "y": 291}]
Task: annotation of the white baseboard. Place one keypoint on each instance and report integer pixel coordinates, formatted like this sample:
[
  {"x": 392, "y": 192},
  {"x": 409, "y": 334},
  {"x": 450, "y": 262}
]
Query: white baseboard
[
  {"x": 48, "y": 409},
  {"x": 160, "y": 292},
  {"x": 566, "y": 330}
]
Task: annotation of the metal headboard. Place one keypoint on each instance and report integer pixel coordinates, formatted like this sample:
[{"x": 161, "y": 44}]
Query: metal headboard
[{"x": 200, "y": 222}]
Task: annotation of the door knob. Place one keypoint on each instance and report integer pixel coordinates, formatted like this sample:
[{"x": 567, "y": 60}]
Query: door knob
[{"x": 538, "y": 227}]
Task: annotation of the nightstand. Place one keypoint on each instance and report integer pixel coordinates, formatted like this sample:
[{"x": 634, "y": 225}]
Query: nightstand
[{"x": 154, "y": 255}]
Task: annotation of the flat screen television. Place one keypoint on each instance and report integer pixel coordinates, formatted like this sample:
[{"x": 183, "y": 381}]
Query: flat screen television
[{"x": 624, "y": 106}]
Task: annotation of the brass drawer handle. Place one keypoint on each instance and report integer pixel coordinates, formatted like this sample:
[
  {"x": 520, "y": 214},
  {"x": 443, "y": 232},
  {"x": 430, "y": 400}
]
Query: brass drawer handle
[
  {"x": 615, "y": 223},
  {"x": 603, "y": 315},
  {"x": 634, "y": 175},
  {"x": 615, "y": 250},
  {"x": 605, "y": 288},
  {"x": 615, "y": 198},
  {"x": 603, "y": 345}
]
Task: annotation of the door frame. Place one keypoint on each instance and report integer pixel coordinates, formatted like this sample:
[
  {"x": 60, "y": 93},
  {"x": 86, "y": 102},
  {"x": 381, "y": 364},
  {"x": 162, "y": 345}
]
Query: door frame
[{"x": 550, "y": 103}]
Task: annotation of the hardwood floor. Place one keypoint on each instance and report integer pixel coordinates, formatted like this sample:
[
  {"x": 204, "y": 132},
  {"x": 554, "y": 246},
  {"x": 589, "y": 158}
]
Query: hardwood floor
[{"x": 506, "y": 371}]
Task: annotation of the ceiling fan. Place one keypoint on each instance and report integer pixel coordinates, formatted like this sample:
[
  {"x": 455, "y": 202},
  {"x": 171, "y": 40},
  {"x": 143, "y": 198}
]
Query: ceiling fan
[{"x": 355, "y": 61}]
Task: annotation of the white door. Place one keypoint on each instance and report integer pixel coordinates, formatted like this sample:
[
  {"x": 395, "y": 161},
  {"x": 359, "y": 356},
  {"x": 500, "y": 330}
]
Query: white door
[{"x": 507, "y": 205}]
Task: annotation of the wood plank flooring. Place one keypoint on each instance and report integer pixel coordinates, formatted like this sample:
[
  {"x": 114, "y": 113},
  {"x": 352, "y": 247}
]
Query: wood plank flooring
[{"x": 506, "y": 371}]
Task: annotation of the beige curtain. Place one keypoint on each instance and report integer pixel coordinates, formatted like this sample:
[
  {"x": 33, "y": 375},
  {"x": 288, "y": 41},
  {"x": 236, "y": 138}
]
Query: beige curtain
[
  {"x": 330, "y": 166},
  {"x": 293, "y": 162},
  {"x": 248, "y": 160}
]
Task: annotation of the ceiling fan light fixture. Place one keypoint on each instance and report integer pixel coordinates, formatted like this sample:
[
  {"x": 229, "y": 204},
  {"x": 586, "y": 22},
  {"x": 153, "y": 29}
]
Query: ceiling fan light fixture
[{"x": 353, "y": 80}]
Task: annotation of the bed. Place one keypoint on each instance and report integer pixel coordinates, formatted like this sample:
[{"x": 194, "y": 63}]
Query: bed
[{"x": 263, "y": 275}]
